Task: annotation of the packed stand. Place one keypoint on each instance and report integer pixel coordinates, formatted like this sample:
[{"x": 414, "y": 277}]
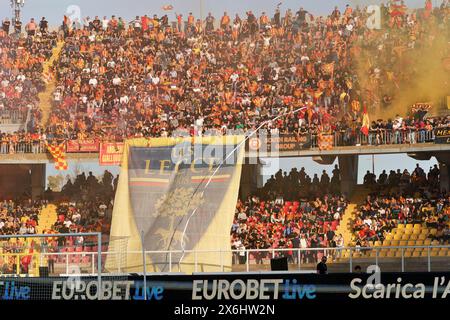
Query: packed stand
[
  {"x": 150, "y": 78},
  {"x": 21, "y": 73},
  {"x": 290, "y": 220},
  {"x": 402, "y": 198}
]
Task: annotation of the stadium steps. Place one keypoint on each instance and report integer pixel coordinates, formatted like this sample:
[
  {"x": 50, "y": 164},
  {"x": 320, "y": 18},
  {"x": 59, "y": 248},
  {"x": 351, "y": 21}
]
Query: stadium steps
[
  {"x": 344, "y": 228},
  {"x": 47, "y": 218},
  {"x": 46, "y": 97}
]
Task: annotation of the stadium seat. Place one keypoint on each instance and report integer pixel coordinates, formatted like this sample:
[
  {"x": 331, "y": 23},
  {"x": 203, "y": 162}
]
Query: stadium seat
[
  {"x": 395, "y": 243},
  {"x": 422, "y": 236},
  {"x": 442, "y": 253},
  {"x": 408, "y": 254},
  {"x": 400, "y": 226},
  {"x": 405, "y": 236},
  {"x": 419, "y": 242},
  {"x": 424, "y": 253},
  {"x": 411, "y": 243},
  {"x": 403, "y": 243},
  {"x": 387, "y": 243},
  {"x": 389, "y": 236},
  {"x": 424, "y": 231},
  {"x": 413, "y": 237},
  {"x": 417, "y": 226},
  {"x": 433, "y": 231},
  {"x": 397, "y": 237},
  {"x": 427, "y": 242},
  {"x": 417, "y": 231},
  {"x": 409, "y": 226}
]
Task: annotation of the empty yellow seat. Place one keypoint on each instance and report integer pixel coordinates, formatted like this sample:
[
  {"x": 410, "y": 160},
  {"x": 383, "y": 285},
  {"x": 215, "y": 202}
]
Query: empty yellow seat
[
  {"x": 416, "y": 254},
  {"x": 424, "y": 230},
  {"x": 422, "y": 236},
  {"x": 391, "y": 254},
  {"x": 409, "y": 226},
  {"x": 435, "y": 243},
  {"x": 433, "y": 231},
  {"x": 383, "y": 253},
  {"x": 397, "y": 237},
  {"x": 377, "y": 244},
  {"x": 403, "y": 243},
  {"x": 413, "y": 237},
  {"x": 419, "y": 242},
  {"x": 408, "y": 254},
  {"x": 395, "y": 243},
  {"x": 417, "y": 231},
  {"x": 411, "y": 243},
  {"x": 426, "y": 242},
  {"x": 387, "y": 243},
  {"x": 417, "y": 226},
  {"x": 424, "y": 253},
  {"x": 442, "y": 253},
  {"x": 401, "y": 226},
  {"x": 405, "y": 237},
  {"x": 409, "y": 231},
  {"x": 389, "y": 236}
]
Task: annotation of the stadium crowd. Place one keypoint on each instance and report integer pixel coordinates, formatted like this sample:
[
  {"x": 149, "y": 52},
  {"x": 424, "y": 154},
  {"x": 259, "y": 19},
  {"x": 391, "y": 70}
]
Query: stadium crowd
[
  {"x": 402, "y": 198},
  {"x": 19, "y": 217},
  {"x": 22, "y": 77},
  {"x": 282, "y": 216}
]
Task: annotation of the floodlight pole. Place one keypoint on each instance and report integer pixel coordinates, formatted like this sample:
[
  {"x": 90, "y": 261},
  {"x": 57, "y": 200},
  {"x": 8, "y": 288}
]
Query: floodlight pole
[{"x": 16, "y": 6}]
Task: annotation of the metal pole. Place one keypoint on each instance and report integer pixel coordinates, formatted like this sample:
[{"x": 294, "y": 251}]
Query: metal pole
[
  {"x": 376, "y": 256},
  {"x": 429, "y": 259},
  {"x": 247, "y": 260},
  {"x": 373, "y": 164},
  {"x": 144, "y": 261},
  {"x": 403, "y": 260},
  {"x": 351, "y": 260},
  {"x": 67, "y": 263},
  {"x": 299, "y": 259},
  {"x": 92, "y": 263},
  {"x": 99, "y": 266},
  {"x": 170, "y": 261}
]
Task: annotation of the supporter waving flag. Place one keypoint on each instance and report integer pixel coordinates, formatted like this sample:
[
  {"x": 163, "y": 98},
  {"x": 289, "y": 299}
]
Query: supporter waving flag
[
  {"x": 58, "y": 154},
  {"x": 365, "y": 123}
]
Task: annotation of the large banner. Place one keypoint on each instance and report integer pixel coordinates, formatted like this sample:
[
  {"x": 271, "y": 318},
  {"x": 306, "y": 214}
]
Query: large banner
[
  {"x": 89, "y": 145},
  {"x": 279, "y": 143},
  {"x": 111, "y": 153},
  {"x": 442, "y": 135},
  {"x": 178, "y": 194}
]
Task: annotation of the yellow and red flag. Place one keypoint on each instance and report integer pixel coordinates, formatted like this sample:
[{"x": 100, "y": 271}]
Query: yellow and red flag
[
  {"x": 365, "y": 123},
  {"x": 59, "y": 155}
]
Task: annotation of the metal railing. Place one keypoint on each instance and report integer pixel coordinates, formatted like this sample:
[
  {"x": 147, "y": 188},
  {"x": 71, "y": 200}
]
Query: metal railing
[
  {"x": 382, "y": 137},
  {"x": 12, "y": 116},
  {"x": 340, "y": 139},
  {"x": 342, "y": 259}
]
